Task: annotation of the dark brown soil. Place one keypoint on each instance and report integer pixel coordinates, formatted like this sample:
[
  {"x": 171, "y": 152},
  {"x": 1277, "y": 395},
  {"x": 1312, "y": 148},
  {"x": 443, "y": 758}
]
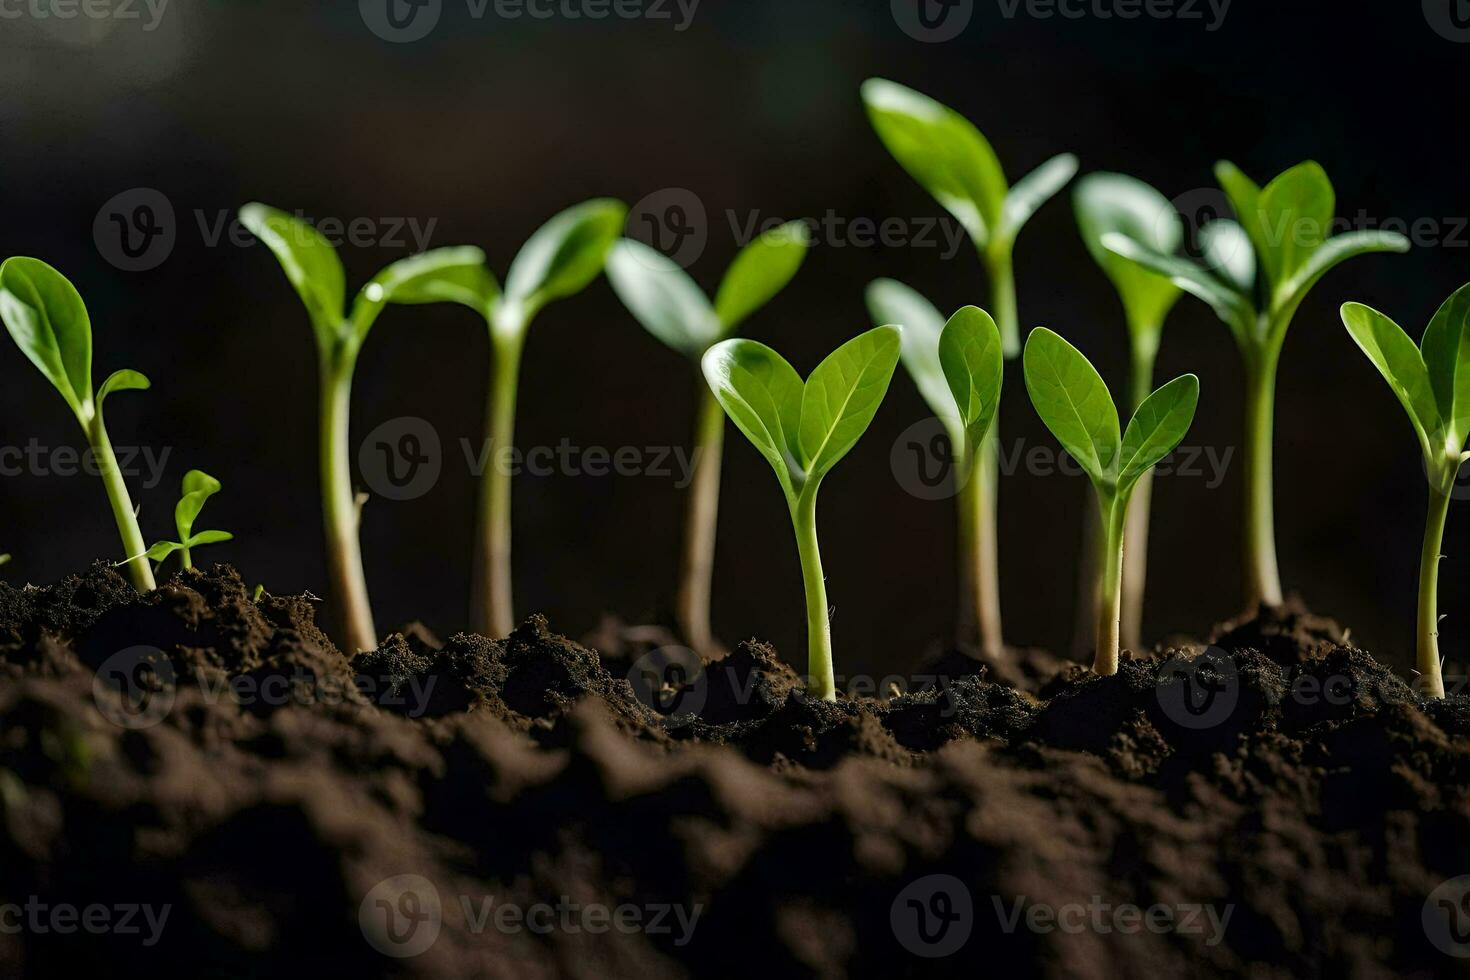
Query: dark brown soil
[{"x": 1281, "y": 805}]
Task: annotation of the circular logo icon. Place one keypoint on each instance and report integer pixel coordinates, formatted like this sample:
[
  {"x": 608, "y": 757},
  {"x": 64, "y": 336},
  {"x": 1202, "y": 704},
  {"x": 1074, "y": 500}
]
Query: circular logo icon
[
  {"x": 933, "y": 21},
  {"x": 401, "y": 21},
  {"x": 923, "y": 461},
  {"x": 401, "y": 916},
  {"x": 135, "y": 231},
  {"x": 1449, "y": 18},
  {"x": 401, "y": 459},
  {"x": 672, "y": 221},
  {"x": 135, "y": 688},
  {"x": 1446, "y": 917},
  {"x": 1199, "y": 208},
  {"x": 1199, "y": 692},
  {"x": 671, "y": 680},
  {"x": 933, "y": 916}
]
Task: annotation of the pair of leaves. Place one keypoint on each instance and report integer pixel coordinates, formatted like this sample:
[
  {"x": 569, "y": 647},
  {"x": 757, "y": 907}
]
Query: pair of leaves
[
  {"x": 1074, "y": 404},
  {"x": 672, "y": 307},
  {"x": 803, "y": 428},
  {"x": 48, "y": 320},
  {"x": 198, "y": 487},
  {"x": 1432, "y": 380},
  {"x": 958, "y": 366},
  {"x": 1109, "y": 203},
  {"x": 1287, "y": 225}
]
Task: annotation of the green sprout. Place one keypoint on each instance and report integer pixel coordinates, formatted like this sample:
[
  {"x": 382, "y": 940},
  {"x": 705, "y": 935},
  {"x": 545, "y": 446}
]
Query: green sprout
[
  {"x": 1432, "y": 382},
  {"x": 949, "y": 158},
  {"x": 1107, "y": 203},
  {"x": 1258, "y": 271},
  {"x": 198, "y": 488},
  {"x": 1077, "y": 408},
  {"x": 4, "y": 559},
  {"x": 48, "y": 320},
  {"x": 929, "y": 355},
  {"x": 803, "y": 429},
  {"x": 313, "y": 268},
  {"x": 672, "y": 307}
]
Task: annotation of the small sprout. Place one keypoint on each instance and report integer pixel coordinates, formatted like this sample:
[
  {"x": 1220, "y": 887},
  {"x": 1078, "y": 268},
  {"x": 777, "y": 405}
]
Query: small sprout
[
  {"x": 970, "y": 345},
  {"x": 672, "y": 307},
  {"x": 259, "y": 591},
  {"x": 1257, "y": 271},
  {"x": 1430, "y": 381},
  {"x": 1107, "y": 203},
  {"x": 1075, "y": 405},
  {"x": 803, "y": 429},
  {"x": 198, "y": 488},
  {"x": 48, "y": 320},
  {"x": 313, "y": 268},
  {"x": 4, "y": 559}
]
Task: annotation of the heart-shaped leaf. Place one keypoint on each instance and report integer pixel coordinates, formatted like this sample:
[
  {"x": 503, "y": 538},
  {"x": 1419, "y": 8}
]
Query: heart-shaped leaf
[
  {"x": 974, "y": 366},
  {"x": 843, "y": 394},
  {"x": 662, "y": 297},
  {"x": 310, "y": 263},
  {"x": 1108, "y": 203},
  {"x": 1399, "y": 361},
  {"x": 48, "y": 321},
  {"x": 1074, "y": 404},
  {"x": 1157, "y": 427},
  {"x": 761, "y": 270},
  {"x": 560, "y": 259}
]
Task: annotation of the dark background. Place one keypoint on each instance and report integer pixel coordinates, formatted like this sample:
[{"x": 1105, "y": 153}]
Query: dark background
[{"x": 488, "y": 126}]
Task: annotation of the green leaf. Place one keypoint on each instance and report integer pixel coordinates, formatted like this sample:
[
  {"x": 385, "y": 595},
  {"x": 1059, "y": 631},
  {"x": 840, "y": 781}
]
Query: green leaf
[
  {"x": 1228, "y": 251},
  {"x": 1229, "y": 305},
  {"x": 198, "y": 487},
  {"x": 1296, "y": 211},
  {"x": 1157, "y": 427},
  {"x": 943, "y": 151},
  {"x": 762, "y": 394},
  {"x": 1332, "y": 254},
  {"x": 760, "y": 271},
  {"x": 210, "y": 537},
  {"x": 1446, "y": 352},
  {"x": 1397, "y": 358},
  {"x": 1073, "y": 403},
  {"x": 1114, "y": 203},
  {"x": 310, "y": 263},
  {"x": 124, "y": 380},
  {"x": 456, "y": 274},
  {"x": 1245, "y": 198},
  {"x": 974, "y": 366},
  {"x": 48, "y": 321},
  {"x": 162, "y": 550},
  {"x": 843, "y": 394},
  {"x": 1034, "y": 190},
  {"x": 562, "y": 257},
  {"x": 662, "y": 297},
  {"x": 890, "y": 301}
]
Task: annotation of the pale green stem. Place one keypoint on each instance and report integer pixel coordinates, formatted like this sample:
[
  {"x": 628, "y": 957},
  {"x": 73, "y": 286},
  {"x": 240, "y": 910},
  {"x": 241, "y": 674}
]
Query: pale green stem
[
  {"x": 1428, "y": 624},
  {"x": 821, "y": 682},
  {"x": 979, "y": 575},
  {"x": 1114, "y": 514},
  {"x": 1001, "y": 269},
  {"x": 701, "y": 521},
  {"x": 122, "y": 505},
  {"x": 186, "y": 558},
  {"x": 1135, "y": 561},
  {"x": 494, "y": 611},
  {"x": 1263, "y": 580},
  {"x": 340, "y": 507}
]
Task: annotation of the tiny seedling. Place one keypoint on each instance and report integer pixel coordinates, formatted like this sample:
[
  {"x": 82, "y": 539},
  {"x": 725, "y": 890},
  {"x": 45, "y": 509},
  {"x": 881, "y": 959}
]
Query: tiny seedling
[
  {"x": 1075, "y": 405},
  {"x": 4, "y": 559},
  {"x": 198, "y": 487},
  {"x": 803, "y": 429},
  {"x": 313, "y": 268},
  {"x": 672, "y": 307},
  {"x": 1432, "y": 382},
  {"x": 1107, "y": 203},
  {"x": 48, "y": 320},
  {"x": 1257, "y": 271},
  {"x": 938, "y": 356}
]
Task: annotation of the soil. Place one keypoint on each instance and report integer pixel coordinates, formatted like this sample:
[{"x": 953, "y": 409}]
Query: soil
[{"x": 1279, "y": 804}]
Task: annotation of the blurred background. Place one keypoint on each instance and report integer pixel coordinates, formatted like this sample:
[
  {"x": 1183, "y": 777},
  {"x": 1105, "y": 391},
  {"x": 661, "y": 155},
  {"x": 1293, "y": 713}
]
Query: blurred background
[{"x": 494, "y": 119}]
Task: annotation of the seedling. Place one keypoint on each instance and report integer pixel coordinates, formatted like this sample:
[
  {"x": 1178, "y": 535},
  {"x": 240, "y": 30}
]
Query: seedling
[
  {"x": 312, "y": 266},
  {"x": 948, "y": 156},
  {"x": 803, "y": 429},
  {"x": 48, "y": 320},
  {"x": 198, "y": 488},
  {"x": 1255, "y": 276},
  {"x": 1432, "y": 382},
  {"x": 672, "y": 307},
  {"x": 930, "y": 348},
  {"x": 1075, "y": 405},
  {"x": 1108, "y": 203}
]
